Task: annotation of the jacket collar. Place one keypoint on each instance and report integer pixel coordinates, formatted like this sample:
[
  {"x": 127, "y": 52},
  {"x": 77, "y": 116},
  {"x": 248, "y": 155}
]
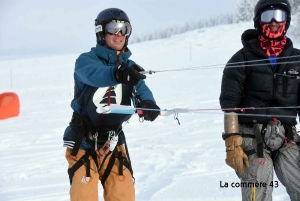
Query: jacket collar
[
  {"x": 111, "y": 55},
  {"x": 250, "y": 41}
]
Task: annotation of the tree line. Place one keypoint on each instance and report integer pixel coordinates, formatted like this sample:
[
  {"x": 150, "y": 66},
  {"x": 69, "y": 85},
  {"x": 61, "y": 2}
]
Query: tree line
[{"x": 244, "y": 12}]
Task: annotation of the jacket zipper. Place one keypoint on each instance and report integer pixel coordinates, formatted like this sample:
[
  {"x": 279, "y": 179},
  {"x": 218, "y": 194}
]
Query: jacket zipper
[
  {"x": 284, "y": 84},
  {"x": 273, "y": 87},
  {"x": 109, "y": 92}
]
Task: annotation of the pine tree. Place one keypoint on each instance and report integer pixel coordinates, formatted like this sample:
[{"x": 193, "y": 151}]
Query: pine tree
[
  {"x": 296, "y": 20},
  {"x": 245, "y": 10},
  {"x": 295, "y": 4}
]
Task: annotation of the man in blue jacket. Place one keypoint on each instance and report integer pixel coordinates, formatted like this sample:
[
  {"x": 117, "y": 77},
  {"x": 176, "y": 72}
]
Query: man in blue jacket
[{"x": 96, "y": 147}]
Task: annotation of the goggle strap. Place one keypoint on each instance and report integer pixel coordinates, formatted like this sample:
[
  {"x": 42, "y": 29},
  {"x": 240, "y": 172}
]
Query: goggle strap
[{"x": 98, "y": 28}]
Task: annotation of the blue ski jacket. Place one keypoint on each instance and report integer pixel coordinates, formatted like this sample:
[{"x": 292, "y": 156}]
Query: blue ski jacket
[{"x": 96, "y": 86}]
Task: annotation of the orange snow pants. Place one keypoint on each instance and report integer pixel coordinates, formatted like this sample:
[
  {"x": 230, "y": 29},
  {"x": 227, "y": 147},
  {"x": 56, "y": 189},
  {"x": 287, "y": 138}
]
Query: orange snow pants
[{"x": 116, "y": 187}]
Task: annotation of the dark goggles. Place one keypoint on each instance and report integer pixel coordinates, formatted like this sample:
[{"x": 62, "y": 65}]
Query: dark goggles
[
  {"x": 115, "y": 27},
  {"x": 269, "y": 15}
]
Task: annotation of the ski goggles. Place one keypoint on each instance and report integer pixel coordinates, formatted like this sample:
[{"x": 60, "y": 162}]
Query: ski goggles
[
  {"x": 115, "y": 27},
  {"x": 269, "y": 15}
]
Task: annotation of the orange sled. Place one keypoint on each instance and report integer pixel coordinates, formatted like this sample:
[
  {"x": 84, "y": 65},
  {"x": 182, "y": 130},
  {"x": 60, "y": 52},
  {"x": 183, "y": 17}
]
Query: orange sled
[{"x": 9, "y": 105}]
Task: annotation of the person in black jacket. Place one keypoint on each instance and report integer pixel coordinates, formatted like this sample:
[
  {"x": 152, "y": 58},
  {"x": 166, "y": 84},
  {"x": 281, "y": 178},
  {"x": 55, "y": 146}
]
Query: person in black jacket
[{"x": 262, "y": 79}]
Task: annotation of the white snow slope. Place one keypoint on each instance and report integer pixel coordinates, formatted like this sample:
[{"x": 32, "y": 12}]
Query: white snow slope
[{"x": 171, "y": 162}]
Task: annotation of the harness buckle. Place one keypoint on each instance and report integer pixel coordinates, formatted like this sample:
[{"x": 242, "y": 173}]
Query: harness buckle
[
  {"x": 288, "y": 143},
  {"x": 261, "y": 162}
]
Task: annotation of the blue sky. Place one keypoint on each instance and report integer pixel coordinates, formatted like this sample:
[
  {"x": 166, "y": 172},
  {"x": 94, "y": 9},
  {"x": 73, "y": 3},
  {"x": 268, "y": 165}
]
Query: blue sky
[{"x": 57, "y": 26}]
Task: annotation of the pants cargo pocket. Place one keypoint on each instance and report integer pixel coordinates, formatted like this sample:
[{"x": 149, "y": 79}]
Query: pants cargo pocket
[
  {"x": 116, "y": 177},
  {"x": 83, "y": 187}
]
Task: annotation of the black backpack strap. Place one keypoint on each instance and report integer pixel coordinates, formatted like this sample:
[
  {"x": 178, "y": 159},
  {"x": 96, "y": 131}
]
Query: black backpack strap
[
  {"x": 84, "y": 159},
  {"x": 109, "y": 166},
  {"x": 78, "y": 125},
  {"x": 250, "y": 152},
  {"x": 127, "y": 153},
  {"x": 260, "y": 143},
  {"x": 122, "y": 160},
  {"x": 78, "y": 141},
  {"x": 93, "y": 154},
  {"x": 289, "y": 133}
]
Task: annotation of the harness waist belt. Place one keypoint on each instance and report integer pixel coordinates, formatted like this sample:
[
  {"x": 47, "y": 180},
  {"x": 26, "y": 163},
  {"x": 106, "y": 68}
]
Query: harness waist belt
[
  {"x": 85, "y": 129},
  {"x": 102, "y": 133}
]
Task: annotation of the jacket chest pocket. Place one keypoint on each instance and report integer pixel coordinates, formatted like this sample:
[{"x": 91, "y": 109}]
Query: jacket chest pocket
[{"x": 289, "y": 81}]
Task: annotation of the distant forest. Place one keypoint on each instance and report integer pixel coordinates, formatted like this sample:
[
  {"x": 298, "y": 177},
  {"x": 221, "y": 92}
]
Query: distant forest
[{"x": 244, "y": 12}]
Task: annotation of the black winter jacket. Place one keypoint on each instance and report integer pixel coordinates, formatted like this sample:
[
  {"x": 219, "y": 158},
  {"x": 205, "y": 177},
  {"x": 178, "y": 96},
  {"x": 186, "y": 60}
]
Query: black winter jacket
[{"x": 258, "y": 85}]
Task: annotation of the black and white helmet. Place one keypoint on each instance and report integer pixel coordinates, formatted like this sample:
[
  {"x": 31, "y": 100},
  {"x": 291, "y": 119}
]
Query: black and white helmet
[{"x": 106, "y": 16}]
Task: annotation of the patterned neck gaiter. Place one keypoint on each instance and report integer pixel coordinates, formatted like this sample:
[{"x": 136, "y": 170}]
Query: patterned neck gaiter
[{"x": 269, "y": 42}]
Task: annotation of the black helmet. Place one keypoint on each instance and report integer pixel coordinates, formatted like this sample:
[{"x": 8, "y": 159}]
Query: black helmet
[
  {"x": 265, "y": 4},
  {"x": 106, "y": 16}
]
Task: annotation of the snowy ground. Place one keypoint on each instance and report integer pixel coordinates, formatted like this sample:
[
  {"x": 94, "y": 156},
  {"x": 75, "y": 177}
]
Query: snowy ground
[{"x": 171, "y": 162}]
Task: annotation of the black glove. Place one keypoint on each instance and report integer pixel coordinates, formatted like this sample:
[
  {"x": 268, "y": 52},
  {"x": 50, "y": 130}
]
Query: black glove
[
  {"x": 129, "y": 74},
  {"x": 149, "y": 115}
]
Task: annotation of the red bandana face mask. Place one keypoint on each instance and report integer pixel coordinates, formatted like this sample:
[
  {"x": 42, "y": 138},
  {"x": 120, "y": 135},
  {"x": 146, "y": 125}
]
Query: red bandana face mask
[{"x": 270, "y": 45}]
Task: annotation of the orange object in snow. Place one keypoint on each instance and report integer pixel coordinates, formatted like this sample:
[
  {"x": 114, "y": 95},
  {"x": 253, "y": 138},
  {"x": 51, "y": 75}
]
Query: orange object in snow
[{"x": 9, "y": 105}]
